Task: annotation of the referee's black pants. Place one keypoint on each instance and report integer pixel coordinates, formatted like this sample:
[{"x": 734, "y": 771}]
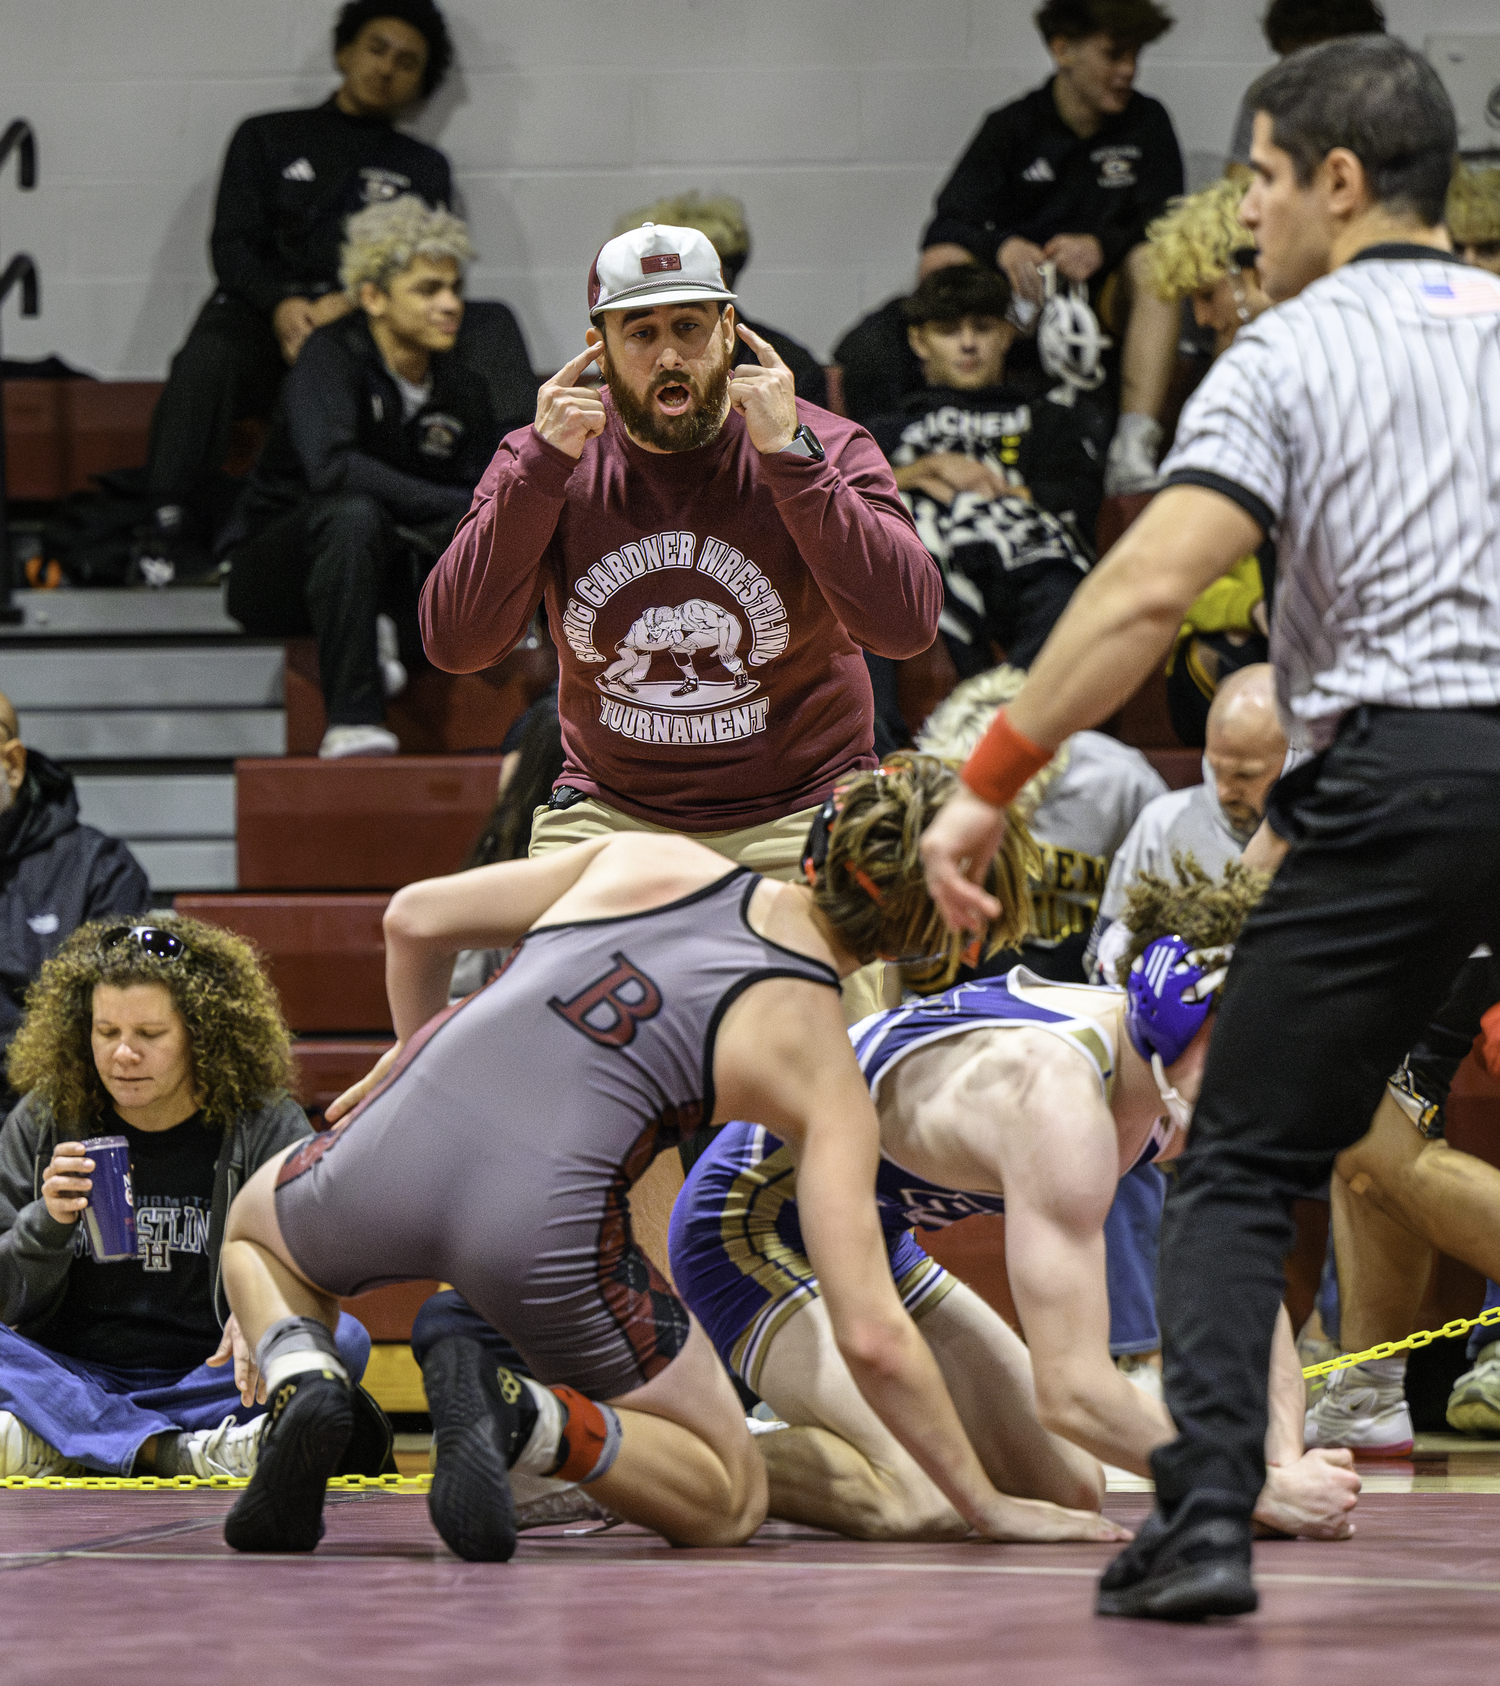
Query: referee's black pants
[
  {"x": 1392, "y": 878},
  {"x": 229, "y": 367}
]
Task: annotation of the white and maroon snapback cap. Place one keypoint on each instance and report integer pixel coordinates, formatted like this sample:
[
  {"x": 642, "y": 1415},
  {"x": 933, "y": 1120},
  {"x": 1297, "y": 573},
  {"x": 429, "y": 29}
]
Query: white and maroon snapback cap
[{"x": 655, "y": 264}]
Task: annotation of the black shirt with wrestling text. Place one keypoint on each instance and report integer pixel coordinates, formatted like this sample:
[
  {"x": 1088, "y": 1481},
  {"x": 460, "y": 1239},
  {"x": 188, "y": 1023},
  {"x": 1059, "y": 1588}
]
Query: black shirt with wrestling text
[{"x": 156, "y": 1311}]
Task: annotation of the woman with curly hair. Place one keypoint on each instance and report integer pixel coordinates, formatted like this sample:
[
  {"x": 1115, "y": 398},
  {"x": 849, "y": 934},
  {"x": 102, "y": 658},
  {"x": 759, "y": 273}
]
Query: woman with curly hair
[
  {"x": 169, "y": 1036},
  {"x": 651, "y": 990},
  {"x": 1011, "y": 1094}
]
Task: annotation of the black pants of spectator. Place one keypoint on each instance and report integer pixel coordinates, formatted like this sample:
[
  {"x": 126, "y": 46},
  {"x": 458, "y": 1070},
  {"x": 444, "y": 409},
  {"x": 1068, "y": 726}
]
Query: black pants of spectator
[
  {"x": 330, "y": 567},
  {"x": 1392, "y": 879},
  {"x": 229, "y": 367}
]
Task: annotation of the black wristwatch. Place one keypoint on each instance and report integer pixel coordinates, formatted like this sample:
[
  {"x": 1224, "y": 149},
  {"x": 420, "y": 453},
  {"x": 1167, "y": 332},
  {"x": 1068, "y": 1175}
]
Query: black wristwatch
[{"x": 805, "y": 443}]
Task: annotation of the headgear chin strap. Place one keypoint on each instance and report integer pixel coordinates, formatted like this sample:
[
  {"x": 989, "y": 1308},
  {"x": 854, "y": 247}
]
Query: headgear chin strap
[{"x": 1168, "y": 994}]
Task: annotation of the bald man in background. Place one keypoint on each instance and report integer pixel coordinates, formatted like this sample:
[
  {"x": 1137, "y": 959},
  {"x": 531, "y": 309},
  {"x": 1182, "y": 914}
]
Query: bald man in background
[
  {"x": 1244, "y": 755},
  {"x": 55, "y": 873}
]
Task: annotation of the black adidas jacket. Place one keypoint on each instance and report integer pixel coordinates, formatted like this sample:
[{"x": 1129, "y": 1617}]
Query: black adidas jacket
[
  {"x": 291, "y": 180},
  {"x": 339, "y": 427},
  {"x": 55, "y": 875},
  {"x": 1027, "y": 173}
]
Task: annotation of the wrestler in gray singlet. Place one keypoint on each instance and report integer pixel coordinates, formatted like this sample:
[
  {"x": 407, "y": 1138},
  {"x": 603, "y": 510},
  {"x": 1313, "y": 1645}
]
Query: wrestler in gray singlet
[{"x": 499, "y": 1153}]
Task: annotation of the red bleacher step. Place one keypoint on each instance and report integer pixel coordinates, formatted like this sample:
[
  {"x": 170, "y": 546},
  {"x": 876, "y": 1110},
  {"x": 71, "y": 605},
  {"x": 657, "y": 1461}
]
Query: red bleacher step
[
  {"x": 363, "y": 824},
  {"x": 325, "y": 953},
  {"x": 326, "y": 1067}
]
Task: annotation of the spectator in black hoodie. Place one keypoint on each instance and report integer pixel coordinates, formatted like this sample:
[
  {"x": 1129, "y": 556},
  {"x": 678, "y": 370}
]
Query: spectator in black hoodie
[
  {"x": 55, "y": 874},
  {"x": 291, "y": 180},
  {"x": 378, "y": 442}
]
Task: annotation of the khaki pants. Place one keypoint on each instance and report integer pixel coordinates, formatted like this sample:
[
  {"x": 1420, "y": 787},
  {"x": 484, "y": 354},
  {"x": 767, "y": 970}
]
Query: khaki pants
[{"x": 773, "y": 849}]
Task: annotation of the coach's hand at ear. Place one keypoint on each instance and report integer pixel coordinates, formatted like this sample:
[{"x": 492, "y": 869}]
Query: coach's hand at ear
[
  {"x": 568, "y": 416},
  {"x": 765, "y": 395}
]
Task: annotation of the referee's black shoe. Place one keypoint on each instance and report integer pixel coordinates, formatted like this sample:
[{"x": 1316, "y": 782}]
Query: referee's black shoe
[{"x": 1194, "y": 1566}]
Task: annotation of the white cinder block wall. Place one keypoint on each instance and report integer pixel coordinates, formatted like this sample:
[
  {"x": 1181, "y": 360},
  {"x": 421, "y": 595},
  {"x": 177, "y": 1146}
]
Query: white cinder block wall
[{"x": 834, "y": 120}]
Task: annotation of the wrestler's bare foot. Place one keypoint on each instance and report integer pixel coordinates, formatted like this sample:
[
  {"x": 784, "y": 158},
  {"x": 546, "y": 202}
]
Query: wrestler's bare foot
[
  {"x": 1036, "y": 1520},
  {"x": 1313, "y": 1498}
]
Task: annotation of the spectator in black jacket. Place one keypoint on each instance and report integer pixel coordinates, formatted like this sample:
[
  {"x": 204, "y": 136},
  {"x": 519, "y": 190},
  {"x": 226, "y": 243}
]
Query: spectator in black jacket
[
  {"x": 1004, "y": 489},
  {"x": 55, "y": 874},
  {"x": 723, "y": 221},
  {"x": 377, "y": 444},
  {"x": 291, "y": 180},
  {"x": 1072, "y": 173}
]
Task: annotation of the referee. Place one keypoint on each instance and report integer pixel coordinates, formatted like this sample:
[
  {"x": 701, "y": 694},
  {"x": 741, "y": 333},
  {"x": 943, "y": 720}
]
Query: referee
[{"x": 1358, "y": 425}]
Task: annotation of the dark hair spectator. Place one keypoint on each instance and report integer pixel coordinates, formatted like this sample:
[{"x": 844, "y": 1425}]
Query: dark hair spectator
[
  {"x": 1378, "y": 98},
  {"x": 948, "y": 295},
  {"x": 1128, "y": 23},
  {"x": 1290, "y": 24},
  {"x": 422, "y": 15}
]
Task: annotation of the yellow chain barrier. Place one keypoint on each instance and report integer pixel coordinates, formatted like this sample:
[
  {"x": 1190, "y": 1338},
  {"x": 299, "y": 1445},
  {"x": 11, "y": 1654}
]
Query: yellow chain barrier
[
  {"x": 184, "y": 1483},
  {"x": 1389, "y": 1349}
]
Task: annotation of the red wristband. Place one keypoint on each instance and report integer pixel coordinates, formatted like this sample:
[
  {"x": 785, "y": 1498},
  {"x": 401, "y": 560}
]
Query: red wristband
[{"x": 1002, "y": 762}]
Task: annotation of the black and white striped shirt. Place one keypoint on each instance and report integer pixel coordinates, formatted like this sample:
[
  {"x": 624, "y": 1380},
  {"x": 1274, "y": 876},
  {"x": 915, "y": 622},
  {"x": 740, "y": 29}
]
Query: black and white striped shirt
[{"x": 1359, "y": 424}]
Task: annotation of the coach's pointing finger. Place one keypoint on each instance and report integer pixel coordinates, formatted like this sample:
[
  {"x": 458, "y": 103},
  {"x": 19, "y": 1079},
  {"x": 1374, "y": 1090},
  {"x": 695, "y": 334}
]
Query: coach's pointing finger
[
  {"x": 765, "y": 395},
  {"x": 568, "y": 416}
]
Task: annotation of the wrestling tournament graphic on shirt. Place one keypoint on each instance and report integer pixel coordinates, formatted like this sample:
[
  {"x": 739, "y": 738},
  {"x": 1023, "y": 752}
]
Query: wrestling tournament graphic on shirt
[{"x": 680, "y": 672}]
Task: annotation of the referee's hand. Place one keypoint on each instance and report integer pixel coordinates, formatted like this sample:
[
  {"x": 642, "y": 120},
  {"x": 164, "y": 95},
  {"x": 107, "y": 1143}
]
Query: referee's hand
[{"x": 957, "y": 849}]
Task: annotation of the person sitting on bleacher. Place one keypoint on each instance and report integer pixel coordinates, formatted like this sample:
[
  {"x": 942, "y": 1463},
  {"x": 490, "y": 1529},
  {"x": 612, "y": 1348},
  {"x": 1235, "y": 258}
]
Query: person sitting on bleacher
[
  {"x": 377, "y": 444},
  {"x": 723, "y": 221},
  {"x": 290, "y": 180},
  {"x": 1070, "y": 174},
  {"x": 1473, "y": 215},
  {"x": 168, "y": 1035},
  {"x": 1201, "y": 252},
  {"x": 55, "y": 873},
  {"x": 1004, "y": 491}
]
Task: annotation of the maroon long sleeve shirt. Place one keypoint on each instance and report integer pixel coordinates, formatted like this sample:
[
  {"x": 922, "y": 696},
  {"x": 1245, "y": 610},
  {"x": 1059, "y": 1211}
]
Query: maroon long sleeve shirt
[{"x": 708, "y": 606}]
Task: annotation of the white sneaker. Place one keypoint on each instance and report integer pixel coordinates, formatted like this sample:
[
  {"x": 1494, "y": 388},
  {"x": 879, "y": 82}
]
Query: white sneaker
[
  {"x": 1131, "y": 463},
  {"x": 1143, "y": 1369},
  {"x": 542, "y": 1502},
  {"x": 1367, "y": 1417},
  {"x": 229, "y": 1449},
  {"x": 388, "y": 649},
  {"x": 1474, "y": 1404},
  {"x": 341, "y": 741},
  {"x": 25, "y": 1453}
]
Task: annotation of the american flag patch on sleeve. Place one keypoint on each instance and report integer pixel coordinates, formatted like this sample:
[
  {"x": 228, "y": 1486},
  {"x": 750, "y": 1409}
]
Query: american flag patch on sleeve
[{"x": 1474, "y": 293}]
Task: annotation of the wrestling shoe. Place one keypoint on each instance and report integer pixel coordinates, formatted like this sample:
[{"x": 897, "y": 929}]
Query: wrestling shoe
[
  {"x": 1131, "y": 463},
  {"x": 1474, "y": 1404},
  {"x": 306, "y": 1431},
  {"x": 473, "y": 1425},
  {"x": 341, "y": 741},
  {"x": 1370, "y": 1418},
  {"x": 1194, "y": 1566},
  {"x": 23, "y": 1453},
  {"x": 229, "y": 1449}
]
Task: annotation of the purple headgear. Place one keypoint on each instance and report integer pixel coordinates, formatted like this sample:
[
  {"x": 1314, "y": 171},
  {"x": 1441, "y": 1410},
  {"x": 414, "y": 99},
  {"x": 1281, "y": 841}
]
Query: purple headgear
[{"x": 1168, "y": 994}]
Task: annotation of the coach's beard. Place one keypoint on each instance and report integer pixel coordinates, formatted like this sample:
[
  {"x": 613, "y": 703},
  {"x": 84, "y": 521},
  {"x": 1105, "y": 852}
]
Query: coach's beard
[{"x": 698, "y": 424}]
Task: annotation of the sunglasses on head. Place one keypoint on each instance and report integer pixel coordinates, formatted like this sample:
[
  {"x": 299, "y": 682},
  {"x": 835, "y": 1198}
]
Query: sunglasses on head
[{"x": 149, "y": 939}]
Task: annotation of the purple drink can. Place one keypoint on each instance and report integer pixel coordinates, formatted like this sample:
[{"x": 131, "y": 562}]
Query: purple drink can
[{"x": 109, "y": 1217}]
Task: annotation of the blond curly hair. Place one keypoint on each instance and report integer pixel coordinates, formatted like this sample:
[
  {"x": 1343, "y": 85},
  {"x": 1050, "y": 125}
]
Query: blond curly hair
[
  {"x": 961, "y": 719},
  {"x": 1205, "y": 912},
  {"x": 382, "y": 240},
  {"x": 1473, "y": 211},
  {"x": 241, "y": 1049},
  {"x": 872, "y": 889},
  {"x": 1194, "y": 241}
]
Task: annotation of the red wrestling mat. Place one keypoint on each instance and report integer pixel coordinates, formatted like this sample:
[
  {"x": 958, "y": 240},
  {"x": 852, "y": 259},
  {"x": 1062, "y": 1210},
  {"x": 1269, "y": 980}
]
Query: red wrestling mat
[{"x": 140, "y": 1588}]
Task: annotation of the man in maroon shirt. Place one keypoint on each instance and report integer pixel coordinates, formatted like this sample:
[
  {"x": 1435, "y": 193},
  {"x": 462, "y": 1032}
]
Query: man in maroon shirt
[{"x": 713, "y": 553}]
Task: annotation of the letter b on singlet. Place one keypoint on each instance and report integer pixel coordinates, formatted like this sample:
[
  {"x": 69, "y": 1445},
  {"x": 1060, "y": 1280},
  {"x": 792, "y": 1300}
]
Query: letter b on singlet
[{"x": 610, "y": 1008}]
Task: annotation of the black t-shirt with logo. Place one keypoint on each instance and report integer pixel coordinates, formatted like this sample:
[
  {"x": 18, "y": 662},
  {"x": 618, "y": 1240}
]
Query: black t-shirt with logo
[{"x": 156, "y": 1311}]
